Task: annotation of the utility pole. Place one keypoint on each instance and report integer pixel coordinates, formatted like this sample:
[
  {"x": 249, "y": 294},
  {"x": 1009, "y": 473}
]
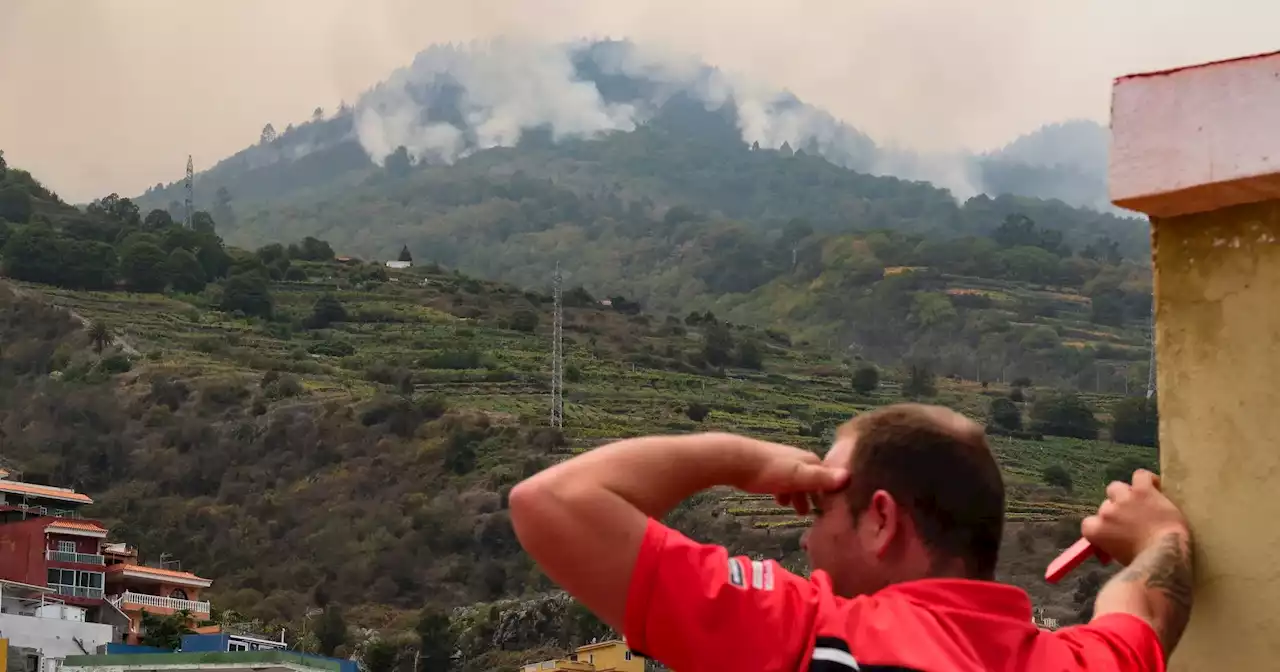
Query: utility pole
[
  {"x": 557, "y": 354},
  {"x": 190, "y": 191}
]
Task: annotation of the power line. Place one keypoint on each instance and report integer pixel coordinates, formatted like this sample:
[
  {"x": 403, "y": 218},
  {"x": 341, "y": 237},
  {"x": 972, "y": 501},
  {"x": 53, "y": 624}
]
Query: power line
[{"x": 557, "y": 354}]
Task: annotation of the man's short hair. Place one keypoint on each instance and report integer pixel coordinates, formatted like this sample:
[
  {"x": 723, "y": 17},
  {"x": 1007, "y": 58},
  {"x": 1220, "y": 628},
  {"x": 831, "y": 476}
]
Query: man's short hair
[{"x": 938, "y": 467}]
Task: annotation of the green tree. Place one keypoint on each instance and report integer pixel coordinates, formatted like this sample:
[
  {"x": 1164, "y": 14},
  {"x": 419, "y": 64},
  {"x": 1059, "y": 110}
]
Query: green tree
[
  {"x": 717, "y": 346},
  {"x": 157, "y": 220},
  {"x": 1057, "y": 476},
  {"x": 213, "y": 257},
  {"x": 15, "y": 203},
  {"x": 331, "y": 630},
  {"x": 460, "y": 451},
  {"x": 165, "y": 632},
  {"x": 1107, "y": 308},
  {"x": 99, "y": 335},
  {"x": 750, "y": 355},
  {"x": 436, "y": 640},
  {"x": 327, "y": 310},
  {"x": 404, "y": 254},
  {"x": 379, "y": 655},
  {"x": 143, "y": 267},
  {"x": 524, "y": 320},
  {"x": 1122, "y": 469},
  {"x": 1064, "y": 414},
  {"x": 122, "y": 211},
  {"x": 1005, "y": 414},
  {"x": 184, "y": 272},
  {"x": 697, "y": 411},
  {"x": 313, "y": 249},
  {"x": 34, "y": 254},
  {"x": 866, "y": 378},
  {"x": 1135, "y": 421},
  {"x": 87, "y": 264},
  {"x": 247, "y": 293},
  {"x": 202, "y": 222},
  {"x": 222, "y": 209},
  {"x": 398, "y": 162},
  {"x": 919, "y": 383}
]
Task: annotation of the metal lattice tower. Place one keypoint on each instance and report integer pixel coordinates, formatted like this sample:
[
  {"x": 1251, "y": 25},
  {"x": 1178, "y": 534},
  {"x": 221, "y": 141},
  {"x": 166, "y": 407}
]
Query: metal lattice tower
[
  {"x": 557, "y": 355},
  {"x": 190, "y": 191}
]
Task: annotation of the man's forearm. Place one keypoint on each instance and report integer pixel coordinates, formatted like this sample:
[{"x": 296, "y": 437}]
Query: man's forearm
[
  {"x": 584, "y": 520},
  {"x": 1156, "y": 586},
  {"x": 653, "y": 473}
]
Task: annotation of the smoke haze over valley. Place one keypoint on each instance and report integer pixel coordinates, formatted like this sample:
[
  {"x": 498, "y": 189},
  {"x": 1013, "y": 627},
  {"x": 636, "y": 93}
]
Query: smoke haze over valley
[{"x": 168, "y": 79}]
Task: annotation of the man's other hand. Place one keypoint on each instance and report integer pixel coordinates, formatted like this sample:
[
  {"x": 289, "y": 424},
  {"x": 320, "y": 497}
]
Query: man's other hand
[
  {"x": 1133, "y": 518},
  {"x": 789, "y": 474}
]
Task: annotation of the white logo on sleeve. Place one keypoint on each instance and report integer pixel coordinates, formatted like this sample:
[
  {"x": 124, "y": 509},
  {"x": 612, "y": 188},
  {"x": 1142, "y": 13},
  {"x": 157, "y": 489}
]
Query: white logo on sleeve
[{"x": 735, "y": 573}]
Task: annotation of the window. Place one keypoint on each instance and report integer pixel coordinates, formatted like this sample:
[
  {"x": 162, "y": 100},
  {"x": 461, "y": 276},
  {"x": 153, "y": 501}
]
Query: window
[
  {"x": 237, "y": 646},
  {"x": 178, "y": 594},
  {"x": 627, "y": 655},
  {"x": 76, "y": 583},
  {"x": 67, "y": 546}
]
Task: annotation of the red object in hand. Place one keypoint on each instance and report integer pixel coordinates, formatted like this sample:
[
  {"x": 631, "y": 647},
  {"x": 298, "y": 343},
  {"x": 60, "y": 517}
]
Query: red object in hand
[{"x": 1072, "y": 558}]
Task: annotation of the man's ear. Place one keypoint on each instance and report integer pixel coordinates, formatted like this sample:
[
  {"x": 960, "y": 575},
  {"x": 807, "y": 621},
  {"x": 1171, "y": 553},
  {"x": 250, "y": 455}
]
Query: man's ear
[{"x": 885, "y": 517}]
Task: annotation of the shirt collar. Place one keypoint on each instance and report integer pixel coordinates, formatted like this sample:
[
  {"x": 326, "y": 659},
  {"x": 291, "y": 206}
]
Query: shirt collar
[{"x": 988, "y": 597}]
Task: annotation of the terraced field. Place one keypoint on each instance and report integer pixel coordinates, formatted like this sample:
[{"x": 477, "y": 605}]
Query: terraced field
[{"x": 626, "y": 374}]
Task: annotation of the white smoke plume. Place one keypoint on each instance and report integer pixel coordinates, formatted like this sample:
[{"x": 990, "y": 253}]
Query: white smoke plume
[{"x": 507, "y": 86}]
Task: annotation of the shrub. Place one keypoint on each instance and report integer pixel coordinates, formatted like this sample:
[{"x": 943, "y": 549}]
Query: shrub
[
  {"x": 866, "y": 379},
  {"x": 1005, "y": 414},
  {"x": 1135, "y": 421},
  {"x": 697, "y": 412},
  {"x": 115, "y": 363},
  {"x": 332, "y": 349},
  {"x": 1122, "y": 469},
  {"x": 1064, "y": 414},
  {"x": 1057, "y": 476},
  {"x": 524, "y": 320}
]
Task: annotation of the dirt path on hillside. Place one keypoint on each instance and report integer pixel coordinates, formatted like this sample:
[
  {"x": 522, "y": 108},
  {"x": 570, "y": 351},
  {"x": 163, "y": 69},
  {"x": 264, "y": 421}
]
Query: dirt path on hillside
[{"x": 116, "y": 340}]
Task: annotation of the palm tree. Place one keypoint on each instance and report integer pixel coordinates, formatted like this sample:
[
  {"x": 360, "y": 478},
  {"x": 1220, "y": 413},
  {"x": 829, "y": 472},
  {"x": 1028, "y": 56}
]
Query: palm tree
[{"x": 99, "y": 336}]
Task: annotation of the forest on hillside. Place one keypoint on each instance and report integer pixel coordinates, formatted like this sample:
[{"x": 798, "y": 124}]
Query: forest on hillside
[
  {"x": 316, "y": 433},
  {"x": 831, "y": 255},
  {"x": 680, "y": 215}
]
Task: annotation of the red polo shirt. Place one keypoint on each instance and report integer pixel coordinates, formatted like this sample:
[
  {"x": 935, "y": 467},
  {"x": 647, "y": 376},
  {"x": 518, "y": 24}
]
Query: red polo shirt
[{"x": 696, "y": 609}]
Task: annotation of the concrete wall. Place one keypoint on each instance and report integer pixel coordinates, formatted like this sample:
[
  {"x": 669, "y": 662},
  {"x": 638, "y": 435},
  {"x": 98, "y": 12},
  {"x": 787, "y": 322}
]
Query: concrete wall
[
  {"x": 1218, "y": 294},
  {"x": 1196, "y": 149},
  {"x": 22, "y": 546},
  {"x": 54, "y": 638}
]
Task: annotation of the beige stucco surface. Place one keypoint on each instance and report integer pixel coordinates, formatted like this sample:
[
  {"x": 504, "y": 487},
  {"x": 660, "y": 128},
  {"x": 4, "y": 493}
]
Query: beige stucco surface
[{"x": 1217, "y": 279}]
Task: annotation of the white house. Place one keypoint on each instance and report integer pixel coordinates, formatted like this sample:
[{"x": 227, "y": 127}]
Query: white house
[
  {"x": 39, "y": 630},
  {"x": 399, "y": 264}
]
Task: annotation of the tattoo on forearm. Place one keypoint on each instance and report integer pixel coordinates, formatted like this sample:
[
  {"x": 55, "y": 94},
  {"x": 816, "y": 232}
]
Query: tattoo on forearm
[{"x": 1165, "y": 570}]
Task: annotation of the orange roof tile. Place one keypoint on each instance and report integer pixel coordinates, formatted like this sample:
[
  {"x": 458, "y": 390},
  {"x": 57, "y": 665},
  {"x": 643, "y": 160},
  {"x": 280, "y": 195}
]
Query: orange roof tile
[
  {"x": 155, "y": 571},
  {"x": 43, "y": 491},
  {"x": 76, "y": 525}
]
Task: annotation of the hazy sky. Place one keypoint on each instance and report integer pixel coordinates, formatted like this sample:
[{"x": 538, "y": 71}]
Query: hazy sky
[{"x": 111, "y": 95}]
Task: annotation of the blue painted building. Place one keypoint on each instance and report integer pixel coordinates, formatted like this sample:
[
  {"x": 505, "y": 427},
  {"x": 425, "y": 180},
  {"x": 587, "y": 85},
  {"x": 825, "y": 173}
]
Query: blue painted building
[{"x": 208, "y": 653}]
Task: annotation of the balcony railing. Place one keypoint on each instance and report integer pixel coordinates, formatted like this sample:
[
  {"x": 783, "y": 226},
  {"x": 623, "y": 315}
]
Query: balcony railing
[
  {"x": 85, "y": 558},
  {"x": 40, "y": 510},
  {"x": 128, "y": 598},
  {"x": 79, "y": 591}
]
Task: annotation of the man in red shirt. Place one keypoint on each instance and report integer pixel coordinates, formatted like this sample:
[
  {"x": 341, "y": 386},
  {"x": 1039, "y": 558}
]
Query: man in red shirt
[{"x": 908, "y": 512}]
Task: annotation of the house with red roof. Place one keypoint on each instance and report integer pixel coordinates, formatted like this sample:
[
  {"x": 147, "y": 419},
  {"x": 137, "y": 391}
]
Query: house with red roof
[{"x": 47, "y": 542}]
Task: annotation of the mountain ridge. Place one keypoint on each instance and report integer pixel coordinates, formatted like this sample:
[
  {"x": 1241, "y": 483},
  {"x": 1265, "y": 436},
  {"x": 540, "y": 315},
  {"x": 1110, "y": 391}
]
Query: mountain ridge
[{"x": 452, "y": 101}]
